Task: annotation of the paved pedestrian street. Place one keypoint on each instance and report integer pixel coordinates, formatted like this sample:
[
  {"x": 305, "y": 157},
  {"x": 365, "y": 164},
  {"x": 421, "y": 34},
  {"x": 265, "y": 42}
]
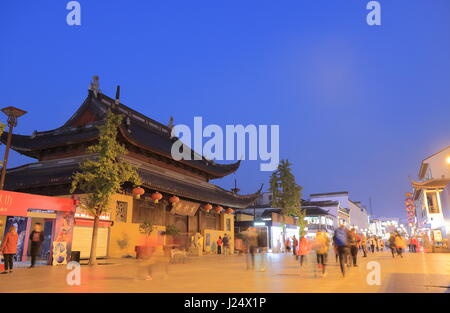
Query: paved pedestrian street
[{"x": 280, "y": 273}]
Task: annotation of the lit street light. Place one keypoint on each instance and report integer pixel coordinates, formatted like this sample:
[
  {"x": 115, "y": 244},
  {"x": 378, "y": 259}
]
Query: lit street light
[{"x": 13, "y": 114}]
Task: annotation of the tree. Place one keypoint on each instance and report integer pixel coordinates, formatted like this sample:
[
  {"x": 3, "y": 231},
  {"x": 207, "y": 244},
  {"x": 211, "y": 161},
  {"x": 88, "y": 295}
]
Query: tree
[
  {"x": 146, "y": 228},
  {"x": 286, "y": 194},
  {"x": 103, "y": 174}
]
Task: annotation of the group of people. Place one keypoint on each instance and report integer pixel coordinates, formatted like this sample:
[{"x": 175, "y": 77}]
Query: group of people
[
  {"x": 346, "y": 245},
  {"x": 223, "y": 243},
  {"x": 8, "y": 246}
]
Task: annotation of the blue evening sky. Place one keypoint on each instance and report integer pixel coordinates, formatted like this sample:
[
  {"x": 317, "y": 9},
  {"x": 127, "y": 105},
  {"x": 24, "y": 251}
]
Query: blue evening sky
[{"x": 358, "y": 107}]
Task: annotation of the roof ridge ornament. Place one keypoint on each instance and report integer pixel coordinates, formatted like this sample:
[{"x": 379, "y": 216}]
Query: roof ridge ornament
[
  {"x": 117, "y": 101},
  {"x": 95, "y": 85}
]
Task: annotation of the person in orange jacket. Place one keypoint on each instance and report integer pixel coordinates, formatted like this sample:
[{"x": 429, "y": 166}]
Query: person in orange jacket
[
  {"x": 9, "y": 249},
  {"x": 303, "y": 248}
]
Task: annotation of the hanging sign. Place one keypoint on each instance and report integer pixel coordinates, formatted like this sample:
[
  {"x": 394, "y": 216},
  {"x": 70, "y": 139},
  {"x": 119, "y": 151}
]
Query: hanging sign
[{"x": 184, "y": 207}]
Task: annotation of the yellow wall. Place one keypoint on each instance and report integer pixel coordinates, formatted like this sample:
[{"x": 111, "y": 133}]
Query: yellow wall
[
  {"x": 214, "y": 234},
  {"x": 124, "y": 237}
]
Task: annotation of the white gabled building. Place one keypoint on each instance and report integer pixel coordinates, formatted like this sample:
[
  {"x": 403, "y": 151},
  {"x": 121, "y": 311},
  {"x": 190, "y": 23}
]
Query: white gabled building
[
  {"x": 348, "y": 212},
  {"x": 432, "y": 196}
]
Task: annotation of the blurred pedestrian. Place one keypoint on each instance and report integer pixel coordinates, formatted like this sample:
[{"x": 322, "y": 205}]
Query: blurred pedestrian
[
  {"x": 36, "y": 239},
  {"x": 9, "y": 249},
  {"x": 219, "y": 245},
  {"x": 322, "y": 244},
  {"x": 372, "y": 244},
  {"x": 399, "y": 244},
  {"x": 414, "y": 244},
  {"x": 391, "y": 241},
  {"x": 363, "y": 245},
  {"x": 250, "y": 243},
  {"x": 226, "y": 244},
  {"x": 303, "y": 248},
  {"x": 294, "y": 246},
  {"x": 341, "y": 240},
  {"x": 287, "y": 245},
  {"x": 354, "y": 243}
]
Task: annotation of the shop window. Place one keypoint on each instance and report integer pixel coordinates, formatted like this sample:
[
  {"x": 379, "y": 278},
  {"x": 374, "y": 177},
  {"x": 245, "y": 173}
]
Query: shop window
[
  {"x": 432, "y": 201},
  {"x": 121, "y": 211}
]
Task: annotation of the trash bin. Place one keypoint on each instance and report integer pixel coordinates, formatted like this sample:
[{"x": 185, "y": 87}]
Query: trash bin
[{"x": 75, "y": 256}]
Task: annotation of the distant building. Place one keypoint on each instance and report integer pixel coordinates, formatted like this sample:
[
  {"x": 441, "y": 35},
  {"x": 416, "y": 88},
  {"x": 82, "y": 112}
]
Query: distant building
[
  {"x": 348, "y": 212},
  {"x": 432, "y": 196},
  {"x": 383, "y": 226}
]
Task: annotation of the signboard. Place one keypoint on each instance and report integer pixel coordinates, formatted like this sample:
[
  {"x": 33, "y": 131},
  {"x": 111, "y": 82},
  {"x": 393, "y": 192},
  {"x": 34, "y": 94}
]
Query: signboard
[
  {"x": 18, "y": 204},
  {"x": 59, "y": 252},
  {"x": 184, "y": 207},
  {"x": 437, "y": 235}
]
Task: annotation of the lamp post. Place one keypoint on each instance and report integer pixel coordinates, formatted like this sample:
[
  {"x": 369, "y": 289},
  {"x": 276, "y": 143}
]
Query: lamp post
[{"x": 13, "y": 114}]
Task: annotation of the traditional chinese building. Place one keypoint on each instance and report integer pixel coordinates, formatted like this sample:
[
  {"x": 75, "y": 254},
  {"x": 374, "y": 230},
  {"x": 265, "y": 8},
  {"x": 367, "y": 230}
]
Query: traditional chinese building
[{"x": 59, "y": 152}]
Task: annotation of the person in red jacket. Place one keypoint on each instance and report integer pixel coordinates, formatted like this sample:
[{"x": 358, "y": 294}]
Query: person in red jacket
[
  {"x": 9, "y": 248},
  {"x": 303, "y": 248}
]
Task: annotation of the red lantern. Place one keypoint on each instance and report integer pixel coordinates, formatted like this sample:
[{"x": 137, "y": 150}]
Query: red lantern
[
  {"x": 409, "y": 201},
  {"x": 229, "y": 211},
  {"x": 411, "y": 213},
  {"x": 218, "y": 209},
  {"x": 138, "y": 192},
  {"x": 207, "y": 207},
  {"x": 408, "y": 195},
  {"x": 174, "y": 199},
  {"x": 156, "y": 196},
  {"x": 410, "y": 208}
]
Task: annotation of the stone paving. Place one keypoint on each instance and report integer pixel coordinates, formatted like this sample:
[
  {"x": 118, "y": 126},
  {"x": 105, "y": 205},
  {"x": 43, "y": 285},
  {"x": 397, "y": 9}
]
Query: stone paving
[{"x": 222, "y": 274}]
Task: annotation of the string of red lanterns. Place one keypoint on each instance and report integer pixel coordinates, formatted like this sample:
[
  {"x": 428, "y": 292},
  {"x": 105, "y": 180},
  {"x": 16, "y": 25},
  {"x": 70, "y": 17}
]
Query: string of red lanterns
[
  {"x": 157, "y": 196},
  {"x": 410, "y": 209}
]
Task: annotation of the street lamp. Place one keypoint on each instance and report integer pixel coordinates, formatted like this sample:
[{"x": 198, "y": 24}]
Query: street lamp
[
  {"x": 13, "y": 114},
  {"x": 448, "y": 160}
]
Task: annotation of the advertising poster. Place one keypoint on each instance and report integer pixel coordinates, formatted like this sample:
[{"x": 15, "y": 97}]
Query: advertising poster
[
  {"x": 62, "y": 242},
  {"x": 21, "y": 225}
]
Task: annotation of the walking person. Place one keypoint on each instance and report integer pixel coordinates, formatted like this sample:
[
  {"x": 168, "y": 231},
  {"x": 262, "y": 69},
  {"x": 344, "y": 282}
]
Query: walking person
[
  {"x": 363, "y": 245},
  {"x": 36, "y": 239},
  {"x": 381, "y": 244},
  {"x": 322, "y": 244},
  {"x": 9, "y": 249},
  {"x": 219, "y": 245},
  {"x": 354, "y": 243},
  {"x": 399, "y": 244},
  {"x": 341, "y": 240},
  {"x": 226, "y": 244},
  {"x": 294, "y": 246},
  {"x": 287, "y": 245},
  {"x": 414, "y": 244},
  {"x": 303, "y": 248},
  {"x": 391, "y": 241},
  {"x": 250, "y": 246},
  {"x": 372, "y": 244}
]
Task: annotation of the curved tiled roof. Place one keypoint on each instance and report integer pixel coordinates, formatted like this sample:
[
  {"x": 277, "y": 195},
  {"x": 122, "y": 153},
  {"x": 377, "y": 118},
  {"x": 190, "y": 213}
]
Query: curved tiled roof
[
  {"x": 59, "y": 172},
  {"x": 136, "y": 128}
]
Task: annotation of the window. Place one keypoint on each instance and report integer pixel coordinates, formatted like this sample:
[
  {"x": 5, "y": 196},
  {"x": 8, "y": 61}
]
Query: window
[
  {"x": 121, "y": 211},
  {"x": 228, "y": 228},
  {"x": 432, "y": 201}
]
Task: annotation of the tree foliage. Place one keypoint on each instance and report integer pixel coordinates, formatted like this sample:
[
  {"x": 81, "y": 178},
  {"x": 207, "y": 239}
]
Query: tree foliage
[
  {"x": 286, "y": 193},
  {"x": 103, "y": 175}
]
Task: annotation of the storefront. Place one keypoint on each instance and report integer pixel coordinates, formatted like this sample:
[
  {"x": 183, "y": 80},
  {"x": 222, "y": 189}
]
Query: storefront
[
  {"x": 82, "y": 234},
  {"x": 56, "y": 216}
]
